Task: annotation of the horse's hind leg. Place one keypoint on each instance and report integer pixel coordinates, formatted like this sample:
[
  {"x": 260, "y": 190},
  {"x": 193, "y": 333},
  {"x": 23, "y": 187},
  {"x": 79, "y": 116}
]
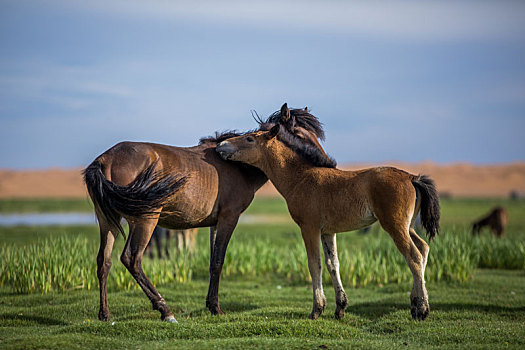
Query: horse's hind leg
[
  {"x": 422, "y": 246},
  {"x": 401, "y": 235},
  {"x": 107, "y": 239},
  {"x": 139, "y": 235},
  {"x": 332, "y": 264}
]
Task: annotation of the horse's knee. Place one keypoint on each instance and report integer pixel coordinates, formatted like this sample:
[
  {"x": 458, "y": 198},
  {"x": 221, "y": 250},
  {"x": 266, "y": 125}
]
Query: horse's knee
[
  {"x": 133, "y": 264},
  {"x": 103, "y": 268},
  {"x": 330, "y": 265},
  {"x": 216, "y": 267},
  {"x": 100, "y": 265}
]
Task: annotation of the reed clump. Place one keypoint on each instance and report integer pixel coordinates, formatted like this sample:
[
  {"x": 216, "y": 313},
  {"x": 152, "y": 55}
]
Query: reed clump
[{"x": 64, "y": 263}]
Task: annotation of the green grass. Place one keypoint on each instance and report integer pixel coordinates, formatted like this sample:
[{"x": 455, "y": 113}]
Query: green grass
[
  {"x": 488, "y": 312},
  {"x": 48, "y": 265},
  {"x": 265, "y": 290}
]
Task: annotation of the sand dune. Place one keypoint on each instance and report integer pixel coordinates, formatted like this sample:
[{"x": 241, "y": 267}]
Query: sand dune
[{"x": 457, "y": 179}]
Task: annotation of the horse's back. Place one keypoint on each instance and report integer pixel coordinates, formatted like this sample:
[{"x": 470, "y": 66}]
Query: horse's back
[
  {"x": 123, "y": 162},
  {"x": 212, "y": 184},
  {"x": 189, "y": 206}
]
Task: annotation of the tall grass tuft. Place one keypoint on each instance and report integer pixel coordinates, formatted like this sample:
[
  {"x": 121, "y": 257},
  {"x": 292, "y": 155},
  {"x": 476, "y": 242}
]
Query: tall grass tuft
[{"x": 65, "y": 263}]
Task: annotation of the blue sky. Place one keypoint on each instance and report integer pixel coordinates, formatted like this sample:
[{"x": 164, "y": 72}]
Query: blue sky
[{"x": 408, "y": 80}]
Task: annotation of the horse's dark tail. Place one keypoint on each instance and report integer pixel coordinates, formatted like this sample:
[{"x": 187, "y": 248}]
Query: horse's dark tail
[
  {"x": 148, "y": 192},
  {"x": 430, "y": 211}
]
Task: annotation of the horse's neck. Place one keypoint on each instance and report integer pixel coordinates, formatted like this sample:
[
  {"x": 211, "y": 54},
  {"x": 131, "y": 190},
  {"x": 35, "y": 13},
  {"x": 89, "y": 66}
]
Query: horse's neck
[
  {"x": 284, "y": 168},
  {"x": 256, "y": 177}
]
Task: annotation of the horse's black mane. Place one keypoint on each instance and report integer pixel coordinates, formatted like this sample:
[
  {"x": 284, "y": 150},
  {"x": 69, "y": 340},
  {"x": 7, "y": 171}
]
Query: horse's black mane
[
  {"x": 298, "y": 117},
  {"x": 287, "y": 134},
  {"x": 310, "y": 153},
  {"x": 221, "y": 136}
]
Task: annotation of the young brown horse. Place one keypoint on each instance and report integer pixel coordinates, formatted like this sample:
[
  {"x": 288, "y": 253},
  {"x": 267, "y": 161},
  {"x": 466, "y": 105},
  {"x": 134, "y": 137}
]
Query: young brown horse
[
  {"x": 177, "y": 188},
  {"x": 324, "y": 200}
]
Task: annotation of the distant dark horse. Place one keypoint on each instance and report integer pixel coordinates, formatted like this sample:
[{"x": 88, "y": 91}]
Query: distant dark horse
[
  {"x": 496, "y": 220},
  {"x": 184, "y": 240},
  {"x": 178, "y": 188}
]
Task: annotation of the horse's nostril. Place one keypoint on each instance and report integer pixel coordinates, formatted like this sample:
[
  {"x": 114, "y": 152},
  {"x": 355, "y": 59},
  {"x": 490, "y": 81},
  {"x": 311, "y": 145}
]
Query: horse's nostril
[{"x": 223, "y": 154}]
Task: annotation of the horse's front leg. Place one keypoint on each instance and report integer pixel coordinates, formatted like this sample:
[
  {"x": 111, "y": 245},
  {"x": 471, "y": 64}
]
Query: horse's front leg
[
  {"x": 312, "y": 241},
  {"x": 332, "y": 264},
  {"x": 213, "y": 236},
  {"x": 218, "y": 243}
]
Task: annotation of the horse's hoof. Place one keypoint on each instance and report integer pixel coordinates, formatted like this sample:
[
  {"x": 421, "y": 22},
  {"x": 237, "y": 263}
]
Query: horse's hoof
[
  {"x": 170, "y": 319},
  {"x": 216, "y": 310},
  {"x": 419, "y": 308},
  {"x": 317, "y": 310},
  {"x": 342, "y": 302},
  {"x": 102, "y": 316},
  {"x": 339, "y": 314},
  {"x": 314, "y": 316}
]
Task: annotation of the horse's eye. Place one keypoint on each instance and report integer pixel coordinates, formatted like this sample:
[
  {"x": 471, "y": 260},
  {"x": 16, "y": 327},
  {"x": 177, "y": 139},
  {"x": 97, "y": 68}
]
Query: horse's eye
[{"x": 250, "y": 139}]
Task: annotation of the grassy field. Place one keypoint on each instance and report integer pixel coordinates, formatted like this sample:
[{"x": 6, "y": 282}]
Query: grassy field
[{"x": 265, "y": 289}]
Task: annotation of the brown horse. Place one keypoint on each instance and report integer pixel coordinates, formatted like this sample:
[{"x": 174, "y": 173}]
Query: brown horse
[
  {"x": 324, "y": 200},
  {"x": 496, "y": 220},
  {"x": 184, "y": 240},
  {"x": 177, "y": 188}
]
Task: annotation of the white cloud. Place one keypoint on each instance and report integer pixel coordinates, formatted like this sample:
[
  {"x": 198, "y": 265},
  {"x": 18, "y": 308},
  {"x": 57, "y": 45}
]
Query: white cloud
[
  {"x": 71, "y": 88},
  {"x": 399, "y": 20}
]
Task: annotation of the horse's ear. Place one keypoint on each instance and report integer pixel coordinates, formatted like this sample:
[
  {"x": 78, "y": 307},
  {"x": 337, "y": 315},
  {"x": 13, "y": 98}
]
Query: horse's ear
[
  {"x": 273, "y": 131},
  {"x": 285, "y": 113}
]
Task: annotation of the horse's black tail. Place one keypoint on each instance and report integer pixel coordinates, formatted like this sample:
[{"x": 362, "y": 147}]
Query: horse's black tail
[
  {"x": 148, "y": 192},
  {"x": 430, "y": 211}
]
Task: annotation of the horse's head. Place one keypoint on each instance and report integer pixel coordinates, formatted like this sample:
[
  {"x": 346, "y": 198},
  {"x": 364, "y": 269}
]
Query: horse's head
[
  {"x": 299, "y": 122},
  {"x": 247, "y": 148},
  {"x": 296, "y": 128}
]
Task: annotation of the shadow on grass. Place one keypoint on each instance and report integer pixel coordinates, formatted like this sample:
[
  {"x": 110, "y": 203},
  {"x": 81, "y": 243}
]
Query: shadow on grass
[
  {"x": 234, "y": 306},
  {"x": 373, "y": 311},
  {"x": 34, "y": 319},
  {"x": 284, "y": 314}
]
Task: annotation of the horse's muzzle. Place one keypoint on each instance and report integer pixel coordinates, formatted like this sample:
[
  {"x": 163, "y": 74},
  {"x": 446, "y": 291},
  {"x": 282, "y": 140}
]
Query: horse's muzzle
[{"x": 225, "y": 150}]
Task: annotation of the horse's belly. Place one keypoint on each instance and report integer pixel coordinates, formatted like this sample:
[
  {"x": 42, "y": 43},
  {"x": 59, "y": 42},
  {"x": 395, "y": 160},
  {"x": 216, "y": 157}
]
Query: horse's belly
[
  {"x": 194, "y": 206},
  {"x": 350, "y": 220}
]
